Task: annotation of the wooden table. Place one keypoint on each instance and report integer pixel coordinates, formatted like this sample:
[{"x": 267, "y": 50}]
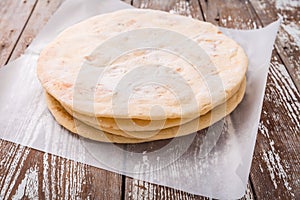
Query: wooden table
[{"x": 275, "y": 172}]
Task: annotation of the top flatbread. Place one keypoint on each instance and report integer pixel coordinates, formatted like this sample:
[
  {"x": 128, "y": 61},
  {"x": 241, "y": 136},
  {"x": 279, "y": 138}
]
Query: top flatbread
[{"x": 60, "y": 67}]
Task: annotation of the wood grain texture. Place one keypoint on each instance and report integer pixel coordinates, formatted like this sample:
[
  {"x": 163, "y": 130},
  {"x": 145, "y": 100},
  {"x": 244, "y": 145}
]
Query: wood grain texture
[
  {"x": 288, "y": 40},
  {"x": 14, "y": 16},
  {"x": 29, "y": 174},
  {"x": 230, "y": 13},
  {"x": 135, "y": 189},
  {"x": 189, "y": 8},
  {"x": 278, "y": 135},
  {"x": 280, "y": 125},
  {"x": 275, "y": 167},
  {"x": 42, "y": 12}
]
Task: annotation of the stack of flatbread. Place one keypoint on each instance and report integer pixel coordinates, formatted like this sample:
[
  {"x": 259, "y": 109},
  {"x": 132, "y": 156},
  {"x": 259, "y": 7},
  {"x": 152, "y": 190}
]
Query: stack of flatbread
[{"x": 134, "y": 76}]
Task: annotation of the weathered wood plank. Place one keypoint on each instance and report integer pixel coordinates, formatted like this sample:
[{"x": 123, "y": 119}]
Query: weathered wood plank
[
  {"x": 274, "y": 167},
  {"x": 30, "y": 174},
  {"x": 229, "y": 13},
  {"x": 42, "y": 12},
  {"x": 276, "y": 170},
  {"x": 11, "y": 157},
  {"x": 281, "y": 160},
  {"x": 14, "y": 15},
  {"x": 189, "y": 8},
  {"x": 288, "y": 40},
  {"x": 135, "y": 189}
]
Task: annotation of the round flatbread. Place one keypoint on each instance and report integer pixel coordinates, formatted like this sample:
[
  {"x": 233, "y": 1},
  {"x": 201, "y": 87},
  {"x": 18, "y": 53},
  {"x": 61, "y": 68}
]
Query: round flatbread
[
  {"x": 117, "y": 125},
  {"x": 127, "y": 124},
  {"x": 82, "y": 129},
  {"x": 76, "y": 56}
]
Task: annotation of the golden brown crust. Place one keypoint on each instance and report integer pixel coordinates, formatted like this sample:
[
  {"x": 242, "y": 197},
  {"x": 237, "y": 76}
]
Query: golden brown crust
[{"x": 82, "y": 129}]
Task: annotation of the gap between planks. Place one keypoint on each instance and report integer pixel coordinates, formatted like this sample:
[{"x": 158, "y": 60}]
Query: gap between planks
[
  {"x": 10, "y": 31},
  {"x": 287, "y": 44},
  {"x": 34, "y": 5}
]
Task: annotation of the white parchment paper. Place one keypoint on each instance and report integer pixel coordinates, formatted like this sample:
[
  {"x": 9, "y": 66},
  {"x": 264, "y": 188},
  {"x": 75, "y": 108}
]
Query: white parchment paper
[{"x": 220, "y": 173}]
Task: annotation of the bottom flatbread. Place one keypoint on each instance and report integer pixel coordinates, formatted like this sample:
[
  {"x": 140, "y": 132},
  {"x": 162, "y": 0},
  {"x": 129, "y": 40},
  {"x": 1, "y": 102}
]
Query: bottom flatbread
[{"x": 84, "y": 130}]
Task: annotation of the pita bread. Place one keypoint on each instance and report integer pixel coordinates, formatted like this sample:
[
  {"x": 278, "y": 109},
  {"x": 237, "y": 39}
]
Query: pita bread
[
  {"x": 60, "y": 64},
  {"x": 131, "y": 125},
  {"x": 127, "y": 124},
  {"x": 82, "y": 129}
]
